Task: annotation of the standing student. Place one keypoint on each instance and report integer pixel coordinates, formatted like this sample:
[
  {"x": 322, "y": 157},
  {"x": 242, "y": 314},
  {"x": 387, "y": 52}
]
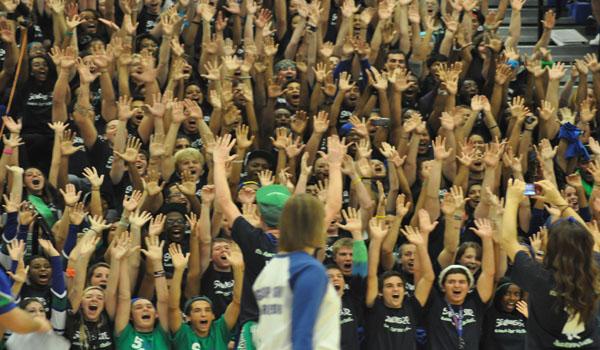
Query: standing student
[
  {"x": 455, "y": 315},
  {"x": 298, "y": 307},
  {"x": 393, "y": 315},
  {"x": 565, "y": 289},
  {"x": 505, "y": 322}
]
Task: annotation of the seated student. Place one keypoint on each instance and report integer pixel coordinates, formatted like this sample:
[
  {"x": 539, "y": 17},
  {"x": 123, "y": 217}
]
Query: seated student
[
  {"x": 453, "y": 315},
  {"x": 202, "y": 331},
  {"x": 393, "y": 315},
  {"x": 505, "y": 323},
  {"x": 143, "y": 332}
]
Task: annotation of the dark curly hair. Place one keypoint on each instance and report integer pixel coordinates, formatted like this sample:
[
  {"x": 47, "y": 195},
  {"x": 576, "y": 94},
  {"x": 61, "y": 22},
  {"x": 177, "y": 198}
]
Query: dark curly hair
[{"x": 569, "y": 257}]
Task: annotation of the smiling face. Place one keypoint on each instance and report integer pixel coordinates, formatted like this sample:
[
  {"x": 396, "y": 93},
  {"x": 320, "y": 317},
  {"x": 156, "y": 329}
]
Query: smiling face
[
  {"x": 219, "y": 253},
  {"x": 39, "y": 69},
  {"x": 379, "y": 170},
  {"x": 90, "y": 22},
  {"x": 321, "y": 169},
  {"x": 201, "y": 317},
  {"x": 470, "y": 260},
  {"x": 194, "y": 93},
  {"x": 337, "y": 280},
  {"x": 351, "y": 96},
  {"x": 510, "y": 298},
  {"x": 455, "y": 288},
  {"x": 143, "y": 315},
  {"x": 34, "y": 180},
  {"x": 393, "y": 291},
  {"x": 40, "y": 271},
  {"x": 408, "y": 253},
  {"x": 100, "y": 277},
  {"x": 343, "y": 259},
  {"x": 35, "y": 309},
  {"x": 474, "y": 194},
  {"x": 92, "y": 304},
  {"x": 175, "y": 226},
  {"x": 570, "y": 194}
]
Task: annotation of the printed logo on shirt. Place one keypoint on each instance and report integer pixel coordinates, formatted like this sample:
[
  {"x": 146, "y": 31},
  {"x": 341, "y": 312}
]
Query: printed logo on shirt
[
  {"x": 346, "y": 315},
  {"x": 267, "y": 255},
  {"x": 509, "y": 326},
  {"x": 224, "y": 288},
  {"x": 397, "y": 324},
  {"x": 468, "y": 316}
]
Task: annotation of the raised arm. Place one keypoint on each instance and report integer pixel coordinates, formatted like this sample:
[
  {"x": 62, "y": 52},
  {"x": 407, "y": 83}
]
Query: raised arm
[
  {"x": 221, "y": 155},
  {"x": 424, "y": 284},
  {"x": 236, "y": 259},
  {"x": 485, "y": 282},
  {"x": 378, "y": 230},
  {"x": 453, "y": 208},
  {"x": 180, "y": 262}
]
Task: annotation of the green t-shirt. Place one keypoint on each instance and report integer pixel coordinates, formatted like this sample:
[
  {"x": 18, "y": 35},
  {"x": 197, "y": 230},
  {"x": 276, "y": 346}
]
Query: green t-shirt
[
  {"x": 158, "y": 339},
  {"x": 217, "y": 338}
]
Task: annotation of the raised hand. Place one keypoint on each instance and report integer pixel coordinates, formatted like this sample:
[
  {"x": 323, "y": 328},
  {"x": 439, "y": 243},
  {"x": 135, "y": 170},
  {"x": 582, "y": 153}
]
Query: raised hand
[
  {"x": 353, "y": 222},
  {"x": 378, "y": 229},
  {"x": 425, "y": 224},
  {"x": 70, "y": 196},
  {"x": 97, "y": 224},
  {"x": 483, "y": 228},
  {"x": 222, "y": 149},
  {"x": 413, "y": 235},
  {"x": 207, "y": 194},
  {"x": 48, "y": 247},
  {"x": 154, "y": 251},
  {"x": 179, "y": 260},
  {"x": 454, "y": 202},
  {"x": 156, "y": 225},
  {"x": 132, "y": 148},
  {"x": 130, "y": 203},
  {"x": 138, "y": 219},
  {"x": 77, "y": 214}
]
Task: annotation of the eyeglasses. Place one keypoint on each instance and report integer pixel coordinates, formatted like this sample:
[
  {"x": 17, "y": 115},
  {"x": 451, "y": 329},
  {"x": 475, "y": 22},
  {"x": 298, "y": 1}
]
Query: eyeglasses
[{"x": 175, "y": 221}]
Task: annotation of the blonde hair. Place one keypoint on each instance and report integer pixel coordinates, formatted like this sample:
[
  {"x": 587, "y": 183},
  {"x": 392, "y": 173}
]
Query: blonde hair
[
  {"x": 188, "y": 153},
  {"x": 302, "y": 224}
]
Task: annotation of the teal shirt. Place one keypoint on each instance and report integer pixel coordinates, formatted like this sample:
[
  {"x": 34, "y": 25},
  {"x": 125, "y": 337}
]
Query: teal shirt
[
  {"x": 217, "y": 338},
  {"x": 158, "y": 339}
]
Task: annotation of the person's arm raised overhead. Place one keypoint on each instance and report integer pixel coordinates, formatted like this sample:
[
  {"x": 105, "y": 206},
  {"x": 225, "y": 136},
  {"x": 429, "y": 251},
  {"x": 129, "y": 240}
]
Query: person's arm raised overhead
[
  {"x": 221, "y": 155},
  {"x": 377, "y": 232},
  {"x": 485, "y": 282},
  {"x": 236, "y": 259},
  {"x": 180, "y": 262},
  {"x": 420, "y": 239}
]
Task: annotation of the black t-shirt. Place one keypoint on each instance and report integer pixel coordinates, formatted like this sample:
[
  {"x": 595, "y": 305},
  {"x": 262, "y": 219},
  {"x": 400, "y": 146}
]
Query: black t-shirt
[
  {"x": 503, "y": 330},
  {"x": 548, "y": 325},
  {"x": 389, "y": 328},
  {"x": 42, "y": 293},
  {"x": 34, "y": 106},
  {"x": 441, "y": 330},
  {"x": 98, "y": 335},
  {"x": 218, "y": 286},
  {"x": 350, "y": 320},
  {"x": 146, "y": 21},
  {"x": 258, "y": 248}
]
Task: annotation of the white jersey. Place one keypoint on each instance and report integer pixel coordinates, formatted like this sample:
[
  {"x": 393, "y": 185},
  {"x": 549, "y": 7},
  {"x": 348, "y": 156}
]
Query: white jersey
[{"x": 298, "y": 307}]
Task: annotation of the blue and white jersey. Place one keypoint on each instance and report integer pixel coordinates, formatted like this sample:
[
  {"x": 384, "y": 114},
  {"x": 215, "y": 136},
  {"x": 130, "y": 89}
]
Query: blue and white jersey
[{"x": 298, "y": 307}]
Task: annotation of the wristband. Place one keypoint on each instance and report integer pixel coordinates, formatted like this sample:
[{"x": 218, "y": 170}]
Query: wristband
[
  {"x": 357, "y": 180},
  {"x": 457, "y": 217},
  {"x": 539, "y": 253},
  {"x": 8, "y": 151},
  {"x": 159, "y": 274},
  {"x": 68, "y": 33},
  {"x": 495, "y": 126},
  {"x": 70, "y": 272}
]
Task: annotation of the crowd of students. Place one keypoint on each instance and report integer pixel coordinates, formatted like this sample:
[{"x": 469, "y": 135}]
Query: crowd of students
[{"x": 294, "y": 175}]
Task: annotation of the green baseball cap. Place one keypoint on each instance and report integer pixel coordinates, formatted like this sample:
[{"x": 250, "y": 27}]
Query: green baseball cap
[{"x": 270, "y": 200}]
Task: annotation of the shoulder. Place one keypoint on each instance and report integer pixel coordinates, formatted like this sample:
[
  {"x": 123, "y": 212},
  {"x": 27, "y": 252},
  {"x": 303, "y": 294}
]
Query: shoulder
[{"x": 304, "y": 264}]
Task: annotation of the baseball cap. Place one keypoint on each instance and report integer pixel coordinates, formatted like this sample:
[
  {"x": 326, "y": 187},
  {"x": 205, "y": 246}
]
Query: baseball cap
[{"x": 271, "y": 200}]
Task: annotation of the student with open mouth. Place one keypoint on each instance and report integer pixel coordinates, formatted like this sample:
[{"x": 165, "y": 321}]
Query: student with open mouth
[
  {"x": 393, "y": 315},
  {"x": 202, "y": 330},
  {"x": 454, "y": 315},
  {"x": 135, "y": 319}
]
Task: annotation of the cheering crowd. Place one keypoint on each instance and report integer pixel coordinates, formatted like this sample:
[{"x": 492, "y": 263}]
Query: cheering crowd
[{"x": 278, "y": 174}]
